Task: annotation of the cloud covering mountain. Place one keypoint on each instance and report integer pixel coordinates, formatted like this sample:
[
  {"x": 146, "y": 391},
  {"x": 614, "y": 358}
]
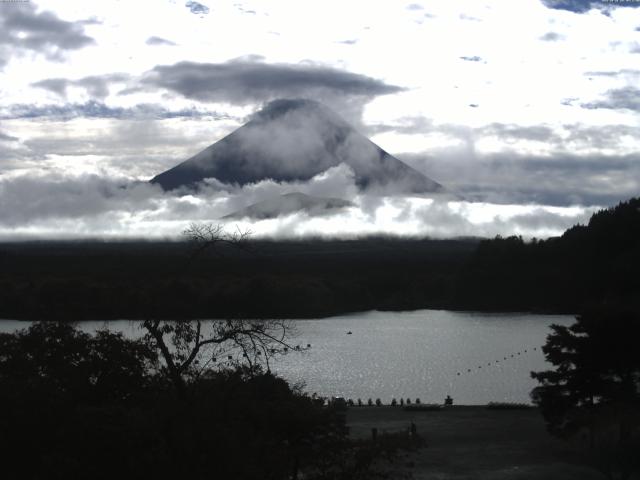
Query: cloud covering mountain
[{"x": 91, "y": 206}]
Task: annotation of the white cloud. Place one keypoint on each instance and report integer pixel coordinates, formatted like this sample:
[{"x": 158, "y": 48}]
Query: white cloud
[{"x": 92, "y": 206}]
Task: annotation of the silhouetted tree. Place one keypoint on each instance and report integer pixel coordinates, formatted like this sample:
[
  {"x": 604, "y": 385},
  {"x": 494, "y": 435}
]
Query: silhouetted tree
[
  {"x": 189, "y": 348},
  {"x": 595, "y": 387},
  {"x": 70, "y": 364},
  {"x": 75, "y": 405},
  {"x": 65, "y": 395},
  {"x": 207, "y": 236}
]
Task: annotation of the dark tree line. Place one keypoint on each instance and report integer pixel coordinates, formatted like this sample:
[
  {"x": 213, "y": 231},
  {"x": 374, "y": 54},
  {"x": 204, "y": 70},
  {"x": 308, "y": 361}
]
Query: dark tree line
[
  {"x": 589, "y": 266},
  {"x": 274, "y": 279}
]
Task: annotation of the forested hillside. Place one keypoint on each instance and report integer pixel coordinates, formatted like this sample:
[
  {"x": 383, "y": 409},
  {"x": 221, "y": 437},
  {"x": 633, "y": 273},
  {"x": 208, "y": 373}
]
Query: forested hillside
[{"x": 593, "y": 265}]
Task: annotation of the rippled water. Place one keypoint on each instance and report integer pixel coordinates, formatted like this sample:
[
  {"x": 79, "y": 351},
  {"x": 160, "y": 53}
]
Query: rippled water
[{"x": 411, "y": 354}]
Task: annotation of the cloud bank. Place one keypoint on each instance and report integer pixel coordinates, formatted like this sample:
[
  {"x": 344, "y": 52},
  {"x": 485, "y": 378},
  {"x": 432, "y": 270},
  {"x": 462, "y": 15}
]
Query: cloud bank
[{"x": 93, "y": 206}]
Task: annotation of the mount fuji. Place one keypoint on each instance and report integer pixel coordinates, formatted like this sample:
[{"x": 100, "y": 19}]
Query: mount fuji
[{"x": 294, "y": 140}]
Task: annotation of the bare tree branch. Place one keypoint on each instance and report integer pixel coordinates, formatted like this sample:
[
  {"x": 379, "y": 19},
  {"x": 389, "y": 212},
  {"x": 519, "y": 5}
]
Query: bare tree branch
[{"x": 183, "y": 344}]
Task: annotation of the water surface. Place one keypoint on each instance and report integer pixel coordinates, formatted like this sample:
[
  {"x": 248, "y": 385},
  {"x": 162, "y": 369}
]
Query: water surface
[{"x": 474, "y": 357}]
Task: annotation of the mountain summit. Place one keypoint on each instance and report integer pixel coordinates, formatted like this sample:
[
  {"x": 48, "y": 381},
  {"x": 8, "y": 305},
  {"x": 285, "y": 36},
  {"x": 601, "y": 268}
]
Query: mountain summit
[{"x": 294, "y": 140}]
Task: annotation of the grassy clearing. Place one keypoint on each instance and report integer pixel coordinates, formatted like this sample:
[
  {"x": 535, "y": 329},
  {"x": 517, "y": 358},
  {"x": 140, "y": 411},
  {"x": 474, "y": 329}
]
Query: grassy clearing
[{"x": 473, "y": 442}]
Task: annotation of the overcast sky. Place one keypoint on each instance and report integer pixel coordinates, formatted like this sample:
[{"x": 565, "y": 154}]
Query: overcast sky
[{"x": 528, "y": 109}]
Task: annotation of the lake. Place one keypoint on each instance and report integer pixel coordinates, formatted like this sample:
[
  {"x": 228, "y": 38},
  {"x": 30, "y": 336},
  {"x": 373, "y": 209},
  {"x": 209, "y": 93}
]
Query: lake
[{"x": 474, "y": 357}]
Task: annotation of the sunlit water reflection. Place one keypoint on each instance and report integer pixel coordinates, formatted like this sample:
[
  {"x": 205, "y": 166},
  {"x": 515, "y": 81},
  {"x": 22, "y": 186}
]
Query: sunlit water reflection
[{"x": 409, "y": 354}]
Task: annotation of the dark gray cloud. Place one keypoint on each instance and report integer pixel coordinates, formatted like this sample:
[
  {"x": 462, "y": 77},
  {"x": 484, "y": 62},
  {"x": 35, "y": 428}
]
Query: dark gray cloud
[
  {"x": 576, "y": 6},
  {"x": 93, "y": 109},
  {"x": 97, "y": 86},
  {"x": 246, "y": 81},
  {"x": 626, "y": 98},
  {"x": 159, "y": 41},
  {"x": 475, "y": 58},
  {"x": 552, "y": 37},
  {"x": 23, "y": 28},
  {"x": 348, "y": 42},
  {"x": 197, "y": 8},
  {"x": 583, "y": 6}
]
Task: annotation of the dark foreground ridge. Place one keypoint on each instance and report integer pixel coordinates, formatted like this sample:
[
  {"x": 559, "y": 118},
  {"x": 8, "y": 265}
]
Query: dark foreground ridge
[{"x": 590, "y": 266}]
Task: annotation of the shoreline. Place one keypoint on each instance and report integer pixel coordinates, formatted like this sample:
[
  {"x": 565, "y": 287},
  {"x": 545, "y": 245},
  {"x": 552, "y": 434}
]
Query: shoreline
[{"x": 349, "y": 313}]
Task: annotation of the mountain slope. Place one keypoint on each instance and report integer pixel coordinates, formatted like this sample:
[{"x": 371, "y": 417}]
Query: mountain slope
[{"x": 294, "y": 140}]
